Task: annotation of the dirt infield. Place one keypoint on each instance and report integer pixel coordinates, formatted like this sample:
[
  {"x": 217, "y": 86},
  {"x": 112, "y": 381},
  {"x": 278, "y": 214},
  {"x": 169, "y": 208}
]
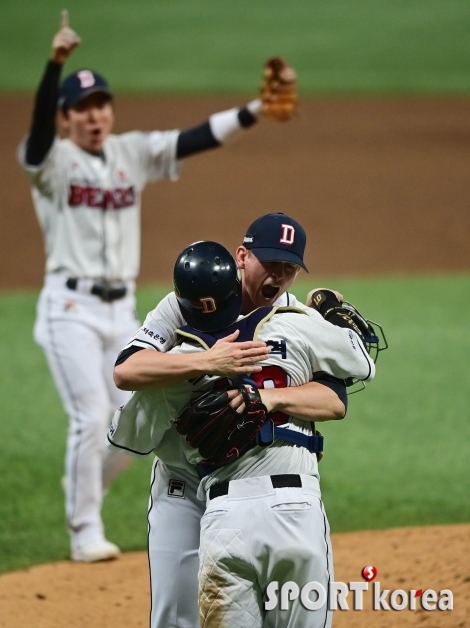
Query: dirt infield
[
  {"x": 382, "y": 185},
  {"x": 116, "y": 595}
]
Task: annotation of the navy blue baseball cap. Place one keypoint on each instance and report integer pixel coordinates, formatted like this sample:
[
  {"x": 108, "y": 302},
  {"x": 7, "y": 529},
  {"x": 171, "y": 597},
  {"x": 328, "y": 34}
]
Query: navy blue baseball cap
[
  {"x": 79, "y": 85},
  {"x": 277, "y": 238}
]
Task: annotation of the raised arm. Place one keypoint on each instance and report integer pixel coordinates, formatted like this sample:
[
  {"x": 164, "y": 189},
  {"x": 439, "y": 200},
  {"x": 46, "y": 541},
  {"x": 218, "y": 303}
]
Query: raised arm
[
  {"x": 43, "y": 126},
  {"x": 278, "y": 101}
]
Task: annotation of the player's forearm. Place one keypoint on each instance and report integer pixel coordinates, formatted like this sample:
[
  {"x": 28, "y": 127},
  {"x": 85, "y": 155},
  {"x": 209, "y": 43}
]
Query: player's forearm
[
  {"x": 43, "y": 129},
  {"x": 310, "y": 402},
  {"x": 217, "y": 130},
  {"x": 149, "y": 369}
]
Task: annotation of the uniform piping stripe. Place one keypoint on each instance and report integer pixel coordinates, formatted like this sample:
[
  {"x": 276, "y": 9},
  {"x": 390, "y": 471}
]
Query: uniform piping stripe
[
  {"x": 134, "y": 451},
  {"x": 154, "y": 475},
  {"x": 74, "y": 403},
  {"x": 366, "y": 355},
  {"x": 146, "y": 342},
  {"x": 325, "y": 536}
]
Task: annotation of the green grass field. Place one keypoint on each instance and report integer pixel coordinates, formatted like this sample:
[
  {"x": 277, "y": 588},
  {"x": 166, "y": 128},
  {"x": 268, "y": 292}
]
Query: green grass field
[
  {"x": 338, "y": 46},
  {"x": 399, "y": 458}
]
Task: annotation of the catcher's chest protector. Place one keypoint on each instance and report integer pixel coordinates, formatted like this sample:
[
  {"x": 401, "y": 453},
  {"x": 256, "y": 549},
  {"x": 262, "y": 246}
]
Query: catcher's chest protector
[{"x": 247, "y": 326}]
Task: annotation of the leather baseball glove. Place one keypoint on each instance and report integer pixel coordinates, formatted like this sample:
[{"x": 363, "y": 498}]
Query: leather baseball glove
[
  {"x": 279, "y": 90},
  {"x": 216, "y": 430},
  {"x": 345, "y": 314}
]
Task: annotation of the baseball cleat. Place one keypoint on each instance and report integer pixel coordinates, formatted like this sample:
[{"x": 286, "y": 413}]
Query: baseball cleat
[{"x": 95, "y": 550}]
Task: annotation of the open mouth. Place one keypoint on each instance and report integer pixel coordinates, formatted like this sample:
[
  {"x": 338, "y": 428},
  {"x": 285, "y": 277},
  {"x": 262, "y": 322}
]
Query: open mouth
[{"x": 270, "y": 292}]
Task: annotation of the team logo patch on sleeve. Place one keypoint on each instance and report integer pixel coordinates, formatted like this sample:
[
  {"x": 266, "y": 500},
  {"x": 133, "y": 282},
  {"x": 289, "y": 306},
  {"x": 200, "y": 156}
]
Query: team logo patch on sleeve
[
  {"x": 176, "y": 488},
  {"x": 144, "y": 333}
]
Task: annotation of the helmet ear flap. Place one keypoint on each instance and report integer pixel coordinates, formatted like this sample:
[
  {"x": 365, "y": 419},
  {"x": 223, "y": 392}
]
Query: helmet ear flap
[{"x": 207, "y": 286}]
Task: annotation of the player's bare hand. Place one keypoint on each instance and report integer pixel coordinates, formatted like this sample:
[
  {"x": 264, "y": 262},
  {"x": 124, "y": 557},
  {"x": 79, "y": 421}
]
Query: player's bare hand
[
  {"x": 268, "y": 397},
  {"x": 339, "y": 296},
  {"x": 236, "y": 400},
  {"x": 229, "y": 358},
  {"x": 66, "y": 40}
]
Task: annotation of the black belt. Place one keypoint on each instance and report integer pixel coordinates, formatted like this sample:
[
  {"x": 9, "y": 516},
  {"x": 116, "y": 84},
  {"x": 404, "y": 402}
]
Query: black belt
[
  {"x": 105, "y": 291},
  {"x": 278, "y": 481}
]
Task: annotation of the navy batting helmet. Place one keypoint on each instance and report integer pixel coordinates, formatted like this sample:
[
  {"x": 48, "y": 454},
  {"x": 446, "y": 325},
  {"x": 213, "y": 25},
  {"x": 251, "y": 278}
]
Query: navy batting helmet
[{"x": 207, "y": 286}]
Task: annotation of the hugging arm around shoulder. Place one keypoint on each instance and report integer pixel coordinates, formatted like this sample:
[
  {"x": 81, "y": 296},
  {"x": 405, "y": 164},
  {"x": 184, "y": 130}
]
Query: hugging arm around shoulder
[{"x": 324, "y": 399}]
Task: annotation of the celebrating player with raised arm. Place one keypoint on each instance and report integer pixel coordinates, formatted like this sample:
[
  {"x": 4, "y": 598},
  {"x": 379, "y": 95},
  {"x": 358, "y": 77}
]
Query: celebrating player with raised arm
[
  {"x": 270, "y": 258},
  {"x": 86, "y": 191},
  {"x": 305, "y": 347}
]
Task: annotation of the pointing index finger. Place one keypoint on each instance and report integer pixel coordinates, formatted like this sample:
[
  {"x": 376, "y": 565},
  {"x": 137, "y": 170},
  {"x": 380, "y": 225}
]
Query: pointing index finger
[{"x": 64, "y": 19}]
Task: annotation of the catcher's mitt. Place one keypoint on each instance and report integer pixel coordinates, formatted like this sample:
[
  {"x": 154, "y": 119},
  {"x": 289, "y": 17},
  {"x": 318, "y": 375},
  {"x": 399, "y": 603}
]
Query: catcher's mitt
[
  {"x": 279, "y": 89},
  {"x": 216, "y": 430},
  {"x": 344, "y": 314}
]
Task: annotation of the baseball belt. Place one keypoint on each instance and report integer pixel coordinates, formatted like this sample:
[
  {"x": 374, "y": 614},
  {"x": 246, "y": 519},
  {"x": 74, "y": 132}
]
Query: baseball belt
[
  {"x": 265, "y": 437},
  {"x": 105, "y": 290},
  {"x": 278, "y": 481}
]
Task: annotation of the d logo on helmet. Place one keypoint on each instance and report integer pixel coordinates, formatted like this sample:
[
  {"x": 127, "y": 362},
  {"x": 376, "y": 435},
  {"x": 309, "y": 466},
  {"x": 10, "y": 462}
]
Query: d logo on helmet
[{"x": 208, "y": 305}]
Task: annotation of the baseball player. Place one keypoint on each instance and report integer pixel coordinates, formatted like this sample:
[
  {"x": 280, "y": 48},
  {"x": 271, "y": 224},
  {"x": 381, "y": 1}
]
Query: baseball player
[
  {"x": 303, "y": 345},
  {"x": 86, "y": 191},
  {"x": 270, "y": 259}
]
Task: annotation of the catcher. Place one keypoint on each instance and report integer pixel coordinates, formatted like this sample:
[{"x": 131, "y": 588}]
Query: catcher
[{"x": 338, "y": 353}]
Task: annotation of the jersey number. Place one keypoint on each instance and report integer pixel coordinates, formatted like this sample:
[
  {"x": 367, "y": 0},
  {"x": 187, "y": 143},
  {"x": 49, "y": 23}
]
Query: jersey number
[{"x": 272, "y": 377}]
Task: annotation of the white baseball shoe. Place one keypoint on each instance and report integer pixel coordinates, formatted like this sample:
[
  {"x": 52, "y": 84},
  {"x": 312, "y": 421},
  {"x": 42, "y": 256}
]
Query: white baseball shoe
[{"x": 91, "y": 552}]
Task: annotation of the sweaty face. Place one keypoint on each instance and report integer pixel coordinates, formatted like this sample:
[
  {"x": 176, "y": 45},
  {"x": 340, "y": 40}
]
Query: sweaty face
[
  {"x": 263, "y": 282},
  {"x": 89, "y": 122}
]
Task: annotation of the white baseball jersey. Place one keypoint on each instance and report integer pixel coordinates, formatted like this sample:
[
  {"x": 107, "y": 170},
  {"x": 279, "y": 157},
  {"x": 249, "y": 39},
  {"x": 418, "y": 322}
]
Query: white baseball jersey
[
  {"x": 139, "y": 436},
  {"x": 89, "y": 207},
  {"x": 160, "y": 324},
  {"x": 303, "y": 344}
]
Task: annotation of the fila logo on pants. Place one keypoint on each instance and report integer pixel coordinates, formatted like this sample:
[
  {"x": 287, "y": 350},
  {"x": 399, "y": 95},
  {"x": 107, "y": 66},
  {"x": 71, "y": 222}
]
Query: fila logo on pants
[{"x": 176, "y": 488}]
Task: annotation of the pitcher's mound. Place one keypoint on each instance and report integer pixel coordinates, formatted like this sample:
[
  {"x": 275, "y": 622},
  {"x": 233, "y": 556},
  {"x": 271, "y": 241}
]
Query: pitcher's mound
[{"x": 116, "y": 594}]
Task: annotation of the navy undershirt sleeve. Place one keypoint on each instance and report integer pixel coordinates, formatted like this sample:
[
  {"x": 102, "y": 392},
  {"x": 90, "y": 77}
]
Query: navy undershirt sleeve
[
  {"x": 195, "y": 140},
  {"x": 337, "y": 385},
  {"x": 126, "y": 353},
  {"x": 43, "y": 129},
  {"x": 199, "y": 138}
]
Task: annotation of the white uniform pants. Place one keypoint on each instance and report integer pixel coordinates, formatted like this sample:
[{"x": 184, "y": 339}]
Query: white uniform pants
[
  {"x": 256, "y": 535},
  {"x": 81, "y": 336},
  {"x": 173, "y": 543}
]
